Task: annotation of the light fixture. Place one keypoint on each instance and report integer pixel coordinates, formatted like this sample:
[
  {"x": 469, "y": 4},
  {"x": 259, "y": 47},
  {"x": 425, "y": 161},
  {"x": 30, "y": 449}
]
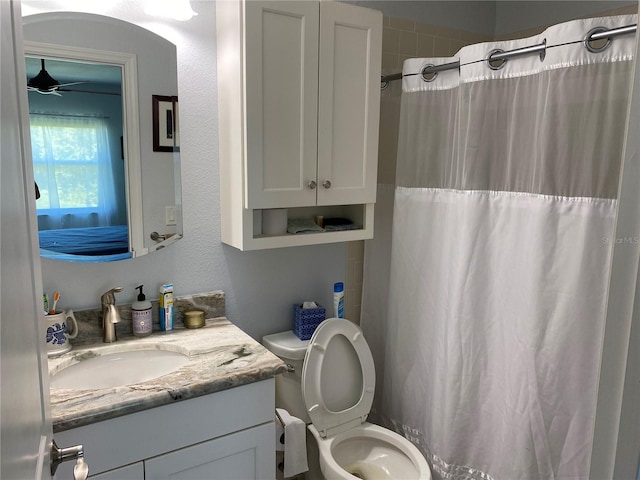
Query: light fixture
[
  {"x": 176, "y": 9},
  {"x": 45, "y": 84}
]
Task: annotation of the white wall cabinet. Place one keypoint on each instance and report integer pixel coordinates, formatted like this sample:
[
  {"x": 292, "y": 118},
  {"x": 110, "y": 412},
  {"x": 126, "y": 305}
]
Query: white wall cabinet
[
  {"x": 299, "y": 100},
  {"x": 226, "y": 435}
]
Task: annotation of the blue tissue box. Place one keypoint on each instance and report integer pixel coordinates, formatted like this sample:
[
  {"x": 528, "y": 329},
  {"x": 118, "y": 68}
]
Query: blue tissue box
[{"x": 305, "y": 320}]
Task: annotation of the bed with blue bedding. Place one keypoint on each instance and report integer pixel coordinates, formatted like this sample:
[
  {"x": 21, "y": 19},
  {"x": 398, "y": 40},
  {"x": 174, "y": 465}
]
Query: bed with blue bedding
[{"x": 94, "y": 243}]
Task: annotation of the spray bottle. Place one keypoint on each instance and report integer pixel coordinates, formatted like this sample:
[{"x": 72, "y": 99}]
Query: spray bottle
[{"x": 338, "y": 300}]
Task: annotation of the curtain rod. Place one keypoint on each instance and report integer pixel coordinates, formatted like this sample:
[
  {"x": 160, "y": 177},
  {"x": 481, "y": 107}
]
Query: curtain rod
[
  {"x": 69, "y": 115},
  {"x": 599, "y": 33}
]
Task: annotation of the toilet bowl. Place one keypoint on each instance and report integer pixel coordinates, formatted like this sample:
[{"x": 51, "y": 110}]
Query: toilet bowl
[
  {"x": 337, "y": 384},
  {"x": 370, "y": 452}
]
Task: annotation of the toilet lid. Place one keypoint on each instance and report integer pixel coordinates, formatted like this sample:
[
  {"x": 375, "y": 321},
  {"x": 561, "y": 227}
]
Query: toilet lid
[{"x": 338, "y": 377}]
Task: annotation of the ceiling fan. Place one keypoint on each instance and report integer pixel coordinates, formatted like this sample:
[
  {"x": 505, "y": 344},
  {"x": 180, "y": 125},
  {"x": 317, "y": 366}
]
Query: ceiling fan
[{"x": 45, "y": 84}]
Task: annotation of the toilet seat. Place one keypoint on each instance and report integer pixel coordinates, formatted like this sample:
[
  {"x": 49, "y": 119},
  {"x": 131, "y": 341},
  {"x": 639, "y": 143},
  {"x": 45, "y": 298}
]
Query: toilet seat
[{"x": 338, "y": 377}]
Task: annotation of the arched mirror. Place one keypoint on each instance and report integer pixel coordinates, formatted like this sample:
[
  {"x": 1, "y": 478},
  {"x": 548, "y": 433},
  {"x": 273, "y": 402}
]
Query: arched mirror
[{"x": 103, "y": 110}]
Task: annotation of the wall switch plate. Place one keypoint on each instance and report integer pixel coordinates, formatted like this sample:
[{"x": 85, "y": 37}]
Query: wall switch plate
[{"x": 170, "y": 215}]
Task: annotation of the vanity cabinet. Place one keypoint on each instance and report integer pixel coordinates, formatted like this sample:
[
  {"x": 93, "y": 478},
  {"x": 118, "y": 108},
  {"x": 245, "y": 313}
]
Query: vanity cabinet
[
  {"x": 226, "y": 435},
  {"x": 298, "y": 102},
  {"x": 236, "y": 456},
  {"x": 130, "y": 472}
]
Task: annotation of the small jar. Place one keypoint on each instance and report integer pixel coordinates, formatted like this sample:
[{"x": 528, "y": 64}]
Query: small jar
[{"x": 193, "y": 319}]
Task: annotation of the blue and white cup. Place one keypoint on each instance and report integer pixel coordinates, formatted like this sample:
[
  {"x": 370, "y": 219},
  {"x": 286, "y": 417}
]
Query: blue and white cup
[{"x": 57, "y": 332}]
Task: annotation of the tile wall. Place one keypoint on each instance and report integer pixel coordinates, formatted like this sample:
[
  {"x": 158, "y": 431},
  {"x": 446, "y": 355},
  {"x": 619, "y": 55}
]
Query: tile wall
[{"x": 403, "y": 39}]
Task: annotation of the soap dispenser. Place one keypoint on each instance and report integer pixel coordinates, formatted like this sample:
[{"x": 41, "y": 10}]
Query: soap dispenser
[{"x": 141, "y": 315}]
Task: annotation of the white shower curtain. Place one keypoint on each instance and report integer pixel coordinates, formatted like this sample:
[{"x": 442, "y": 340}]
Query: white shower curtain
[{"x": 489, "y": 341}]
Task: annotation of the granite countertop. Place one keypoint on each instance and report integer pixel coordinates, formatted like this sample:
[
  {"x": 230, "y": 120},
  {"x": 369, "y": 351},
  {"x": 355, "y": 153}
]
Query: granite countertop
[{"x": 221, "y": 356}]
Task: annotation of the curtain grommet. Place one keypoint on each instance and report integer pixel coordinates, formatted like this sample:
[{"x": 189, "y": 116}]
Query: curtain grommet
[
  {"x": 543, "y": 52},
  {"x": 426, "y": 74},
  {"x": 496, "y": 64},
  {"x": 589, "y": 42}
]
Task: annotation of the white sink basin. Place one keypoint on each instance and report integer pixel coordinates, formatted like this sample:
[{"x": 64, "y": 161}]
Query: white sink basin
[{"x": 117, "y": 369}]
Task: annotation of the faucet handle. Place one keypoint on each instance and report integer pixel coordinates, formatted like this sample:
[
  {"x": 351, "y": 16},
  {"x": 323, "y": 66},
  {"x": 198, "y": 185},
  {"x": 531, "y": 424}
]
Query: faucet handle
[{"x": 109, "y": 297}]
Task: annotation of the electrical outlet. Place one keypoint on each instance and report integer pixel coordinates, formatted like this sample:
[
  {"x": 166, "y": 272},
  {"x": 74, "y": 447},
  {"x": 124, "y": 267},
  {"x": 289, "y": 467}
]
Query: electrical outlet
[{"x": 170, "y": 216}]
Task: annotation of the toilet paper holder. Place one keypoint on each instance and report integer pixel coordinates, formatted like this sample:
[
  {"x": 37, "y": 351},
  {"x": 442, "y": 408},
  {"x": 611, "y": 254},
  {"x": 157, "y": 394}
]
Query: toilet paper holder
[{"x": 290, "y": 439}]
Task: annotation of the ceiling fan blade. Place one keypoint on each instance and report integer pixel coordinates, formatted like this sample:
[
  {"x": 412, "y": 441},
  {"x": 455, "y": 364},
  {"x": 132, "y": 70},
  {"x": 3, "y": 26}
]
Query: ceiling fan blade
[
  {"x": 70, "y": 83},
  {"x": 93, "y": 92},
  {"x": 53, "y": 91}
]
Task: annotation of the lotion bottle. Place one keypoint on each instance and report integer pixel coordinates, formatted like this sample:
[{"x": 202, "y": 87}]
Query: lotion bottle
[
  {"x": 141, "y": 315},
  {"x": 338, "y": 300}
]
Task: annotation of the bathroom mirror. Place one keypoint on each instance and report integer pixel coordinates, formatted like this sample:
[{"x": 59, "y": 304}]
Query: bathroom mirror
[{"x": 105, "y": 138}]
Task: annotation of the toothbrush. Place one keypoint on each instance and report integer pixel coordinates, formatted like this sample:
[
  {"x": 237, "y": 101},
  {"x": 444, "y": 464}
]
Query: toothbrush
[
  {"x": 45, "y": 300},
  {"x": 56, "y": 297}
]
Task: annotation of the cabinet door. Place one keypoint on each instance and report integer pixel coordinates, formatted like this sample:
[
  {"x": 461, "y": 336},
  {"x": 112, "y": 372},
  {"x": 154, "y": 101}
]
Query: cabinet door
[
  {"x": 245, "y": 455},
  {"x": 130, "y": 472},
  {"x": 349, "y": 103},
  {"x": 281, "y": 102}
]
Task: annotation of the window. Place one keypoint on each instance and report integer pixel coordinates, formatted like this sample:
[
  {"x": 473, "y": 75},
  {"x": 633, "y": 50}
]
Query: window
[{"x": 72, "y": 167}]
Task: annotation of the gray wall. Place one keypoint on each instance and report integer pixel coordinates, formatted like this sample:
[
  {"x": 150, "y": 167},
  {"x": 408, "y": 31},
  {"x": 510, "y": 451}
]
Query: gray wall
[
  {"x": 260, "y": 286},
  {"x": 514, "y": 16},
  {"x": 472, "y": 16},
  {"x": 493, "y": 18}
]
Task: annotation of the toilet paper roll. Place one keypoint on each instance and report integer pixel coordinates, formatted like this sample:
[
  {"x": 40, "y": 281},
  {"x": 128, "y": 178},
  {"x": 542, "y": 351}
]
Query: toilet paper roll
[
  {"x": 295, "y": 443},
  {"x": 279, "y": 434},
  {"x": 257, "y": 222},
  {"x": 274, "y": 221}
]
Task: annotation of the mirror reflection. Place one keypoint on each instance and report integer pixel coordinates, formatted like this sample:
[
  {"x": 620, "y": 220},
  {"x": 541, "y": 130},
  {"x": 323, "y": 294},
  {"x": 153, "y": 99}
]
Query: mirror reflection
[
  {"x": 78, "y": 159},
  {"x": 105, "y": 192}
]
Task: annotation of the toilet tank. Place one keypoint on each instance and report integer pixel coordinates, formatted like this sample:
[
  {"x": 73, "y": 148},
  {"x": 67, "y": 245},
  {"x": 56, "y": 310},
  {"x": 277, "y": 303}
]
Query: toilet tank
[{"x": 291, "y": 350}]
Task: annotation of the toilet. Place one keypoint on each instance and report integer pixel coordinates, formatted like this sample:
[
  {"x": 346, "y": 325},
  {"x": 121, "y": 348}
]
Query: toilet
[{"x": 330, "y": 385}]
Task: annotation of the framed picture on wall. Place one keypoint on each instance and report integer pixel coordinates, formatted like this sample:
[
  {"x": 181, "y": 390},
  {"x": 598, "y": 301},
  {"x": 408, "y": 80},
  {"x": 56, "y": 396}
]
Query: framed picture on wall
[{"x": 166, "y": 136}]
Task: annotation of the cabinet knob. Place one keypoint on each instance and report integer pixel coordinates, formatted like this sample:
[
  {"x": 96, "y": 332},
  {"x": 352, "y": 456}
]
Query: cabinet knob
[
  {"x": 312, "y": 184},
  {"x": 326, "y": 184}
]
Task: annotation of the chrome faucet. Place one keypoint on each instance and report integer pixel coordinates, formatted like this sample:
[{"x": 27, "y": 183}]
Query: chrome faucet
[{"x": 110, "y": 315}]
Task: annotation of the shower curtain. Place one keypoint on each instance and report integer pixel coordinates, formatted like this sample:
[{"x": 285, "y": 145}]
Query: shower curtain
[{"x": 485, "y": 286}]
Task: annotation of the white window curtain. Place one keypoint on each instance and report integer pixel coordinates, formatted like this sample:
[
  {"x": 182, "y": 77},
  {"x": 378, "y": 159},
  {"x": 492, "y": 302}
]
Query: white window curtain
[
  {"x": 73, "y": 170},
  {"x": 484, "y": 299}
]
